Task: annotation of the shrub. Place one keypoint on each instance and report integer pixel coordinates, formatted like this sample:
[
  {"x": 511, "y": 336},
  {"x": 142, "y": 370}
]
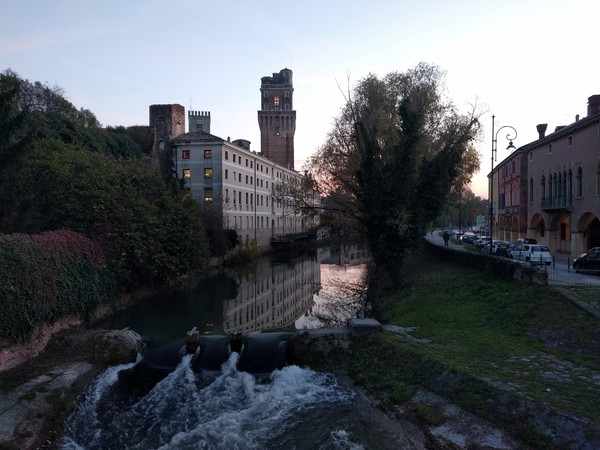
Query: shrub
[{"x": 49, "y": 276}]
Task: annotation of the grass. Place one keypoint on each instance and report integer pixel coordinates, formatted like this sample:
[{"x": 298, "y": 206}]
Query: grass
[{"x": 524, "y": 337}]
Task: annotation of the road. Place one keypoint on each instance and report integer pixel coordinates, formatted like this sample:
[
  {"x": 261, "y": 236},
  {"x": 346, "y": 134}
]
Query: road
[{"x": 559, "y": 273}]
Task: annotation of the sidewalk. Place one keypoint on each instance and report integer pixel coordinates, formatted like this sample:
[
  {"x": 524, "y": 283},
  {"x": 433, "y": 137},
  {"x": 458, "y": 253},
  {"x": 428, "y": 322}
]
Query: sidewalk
[{"x": 437, "y": 239}]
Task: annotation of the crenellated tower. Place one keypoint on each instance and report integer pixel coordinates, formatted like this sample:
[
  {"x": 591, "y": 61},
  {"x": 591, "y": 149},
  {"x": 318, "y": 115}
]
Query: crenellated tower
[
  {"x": 199, "y": 121},
  {"x": 277, "y": 118}
]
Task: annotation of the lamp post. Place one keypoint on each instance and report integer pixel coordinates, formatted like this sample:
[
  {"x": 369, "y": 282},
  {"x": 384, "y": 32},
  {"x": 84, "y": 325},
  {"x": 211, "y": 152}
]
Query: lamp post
[{"x": 510, "y": 137}]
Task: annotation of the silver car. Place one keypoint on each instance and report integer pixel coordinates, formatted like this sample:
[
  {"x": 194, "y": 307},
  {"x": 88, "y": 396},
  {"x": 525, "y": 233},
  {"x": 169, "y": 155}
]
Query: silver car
[{"x": 533, "y": 253}]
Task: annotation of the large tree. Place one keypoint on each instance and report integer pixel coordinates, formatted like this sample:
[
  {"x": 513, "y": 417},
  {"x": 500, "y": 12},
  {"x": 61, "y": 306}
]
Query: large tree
[{"x": 392, "y": 158}]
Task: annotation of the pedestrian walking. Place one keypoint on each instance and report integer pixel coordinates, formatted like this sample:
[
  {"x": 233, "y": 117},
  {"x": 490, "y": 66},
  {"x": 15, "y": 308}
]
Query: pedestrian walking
[{"x": 446, "y": 238}]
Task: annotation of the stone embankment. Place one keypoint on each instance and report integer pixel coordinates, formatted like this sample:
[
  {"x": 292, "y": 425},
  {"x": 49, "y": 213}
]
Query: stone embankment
[{"x": 36, "y": 394}]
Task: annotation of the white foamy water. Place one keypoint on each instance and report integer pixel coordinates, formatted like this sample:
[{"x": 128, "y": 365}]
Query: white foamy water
[{"x": 235, "y": 411}]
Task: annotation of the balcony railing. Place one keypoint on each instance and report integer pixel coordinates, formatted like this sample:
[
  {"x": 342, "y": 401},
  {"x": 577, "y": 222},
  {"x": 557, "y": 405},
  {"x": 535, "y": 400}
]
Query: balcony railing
[
  {"x": 514, "y": 209},
  {"x": 557, "y": 203}
]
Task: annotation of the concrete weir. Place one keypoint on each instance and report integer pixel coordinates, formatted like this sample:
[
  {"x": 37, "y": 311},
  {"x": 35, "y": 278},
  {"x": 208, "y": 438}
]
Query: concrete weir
[{"x": 262, "y": 352}]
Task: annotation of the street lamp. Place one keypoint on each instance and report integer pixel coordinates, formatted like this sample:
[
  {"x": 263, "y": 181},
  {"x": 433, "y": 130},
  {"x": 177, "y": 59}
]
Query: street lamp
[{"x": 510, "y": 138}]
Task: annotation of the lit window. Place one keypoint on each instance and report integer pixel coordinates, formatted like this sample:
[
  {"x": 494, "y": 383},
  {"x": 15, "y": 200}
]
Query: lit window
[
  {"x": 208, "y": 195},
  {"x": 187, "y": 174},
  {"x": 185, "y": 154},
  {"x": 276, "y": 101},
  {"x": 208, "y": 172},
  {"x": 276, "y": 131},
  {"x": 208, "y": 154}
]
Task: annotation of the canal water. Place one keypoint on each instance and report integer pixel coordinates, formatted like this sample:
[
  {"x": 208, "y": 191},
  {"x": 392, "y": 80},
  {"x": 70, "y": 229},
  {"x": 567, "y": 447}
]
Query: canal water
[{"x": 290, "y": 408}]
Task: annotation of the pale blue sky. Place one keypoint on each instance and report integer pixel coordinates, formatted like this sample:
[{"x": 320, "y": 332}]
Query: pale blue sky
[{"x": 527, "y": 62}]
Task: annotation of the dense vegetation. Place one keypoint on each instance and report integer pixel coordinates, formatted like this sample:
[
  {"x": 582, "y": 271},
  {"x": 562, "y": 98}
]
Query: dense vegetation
[{"x": 65, "y": 180}]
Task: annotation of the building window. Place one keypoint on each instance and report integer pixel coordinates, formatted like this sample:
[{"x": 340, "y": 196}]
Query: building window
[
  {"x": 266, "y": 94},
  {"x": 208, "y": 154},
  {"x": 234, "y": 157},
  {"x": 598, "y": 180},
  {"x": 226, "y": 174},
  {"x": 208, "y": 195},
  {"x": 226, "y": 195},
  {"x": 579, "y": 182},
  {"x": 187, "y": 178},
  {"x": 240, "y": 197},
  {"x": 239, "y": 177},
  {"x": 276, "y": 102},
  {"x": 530, "y": 156},
  {"x": 570, "y": 141},
  {"x": 208, "y": 172},
  {"x": 185, "y": 154},
  {"x": 549, "y": 148},
  {"x": 246, "y": 162},
  {"x": 226, "y": 155},
  {"x": 265, "y": 106},
  {"x": 287, "y": 107},
  {"x": 286, "y": 94},
  {"x": 276, "y": 131},
  {"x": 531, "y": 189},
  {"x": 234, "y": 197},
  {"x": 246, "y": 179},
  {"x": 543, "y": 190}
]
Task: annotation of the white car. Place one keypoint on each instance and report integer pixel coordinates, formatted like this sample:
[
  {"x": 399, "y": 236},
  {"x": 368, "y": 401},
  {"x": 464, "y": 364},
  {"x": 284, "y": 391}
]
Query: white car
[{"x": 533, "y": 253}]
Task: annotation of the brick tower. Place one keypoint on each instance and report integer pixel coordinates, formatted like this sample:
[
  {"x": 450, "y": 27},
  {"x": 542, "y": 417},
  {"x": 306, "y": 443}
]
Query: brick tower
[{"x": 277, "y": 118}]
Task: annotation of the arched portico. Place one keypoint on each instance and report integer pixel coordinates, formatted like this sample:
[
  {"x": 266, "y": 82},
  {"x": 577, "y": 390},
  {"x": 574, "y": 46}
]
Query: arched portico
[
  {"x": 588, "y": 233},
  {"x": 559, "y": 233},
  {"x": 537, "y": 229}
]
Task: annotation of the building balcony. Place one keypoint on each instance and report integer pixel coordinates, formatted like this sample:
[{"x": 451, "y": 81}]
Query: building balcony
[
  {"x": 508, "y": 210},
  {"x": 557, "y": 204}
]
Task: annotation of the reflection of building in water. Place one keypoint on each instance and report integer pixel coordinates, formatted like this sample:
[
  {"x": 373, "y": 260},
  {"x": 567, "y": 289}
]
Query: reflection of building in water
[
  {"x": 347, "y": 254},
  {"x": 274, "y": 296}
]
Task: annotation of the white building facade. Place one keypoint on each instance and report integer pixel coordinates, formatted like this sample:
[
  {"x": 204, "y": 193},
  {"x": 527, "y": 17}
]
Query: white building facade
[{"x": 244, "y": 188}]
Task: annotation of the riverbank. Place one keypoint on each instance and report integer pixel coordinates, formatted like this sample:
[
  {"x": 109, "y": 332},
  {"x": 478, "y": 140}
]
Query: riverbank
[
  {"x": 465, "y": 361},
  {"x": 520, "y": 356}
]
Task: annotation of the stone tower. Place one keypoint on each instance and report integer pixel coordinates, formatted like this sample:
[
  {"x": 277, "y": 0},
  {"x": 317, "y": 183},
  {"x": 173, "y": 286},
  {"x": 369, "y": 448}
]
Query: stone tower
[
  {"x": 167, "y": 121},
  {"x": 199, "y": 121},
  {"x": 277, "y": 118}
]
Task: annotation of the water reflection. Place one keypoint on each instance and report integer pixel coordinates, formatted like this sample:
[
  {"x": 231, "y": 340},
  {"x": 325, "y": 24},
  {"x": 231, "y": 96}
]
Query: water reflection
[{"x": 312, "y": 289}]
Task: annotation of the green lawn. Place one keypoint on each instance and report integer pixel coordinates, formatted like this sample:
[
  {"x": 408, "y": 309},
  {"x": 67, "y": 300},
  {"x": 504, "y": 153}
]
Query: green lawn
[{"x": 525, "y": 337}]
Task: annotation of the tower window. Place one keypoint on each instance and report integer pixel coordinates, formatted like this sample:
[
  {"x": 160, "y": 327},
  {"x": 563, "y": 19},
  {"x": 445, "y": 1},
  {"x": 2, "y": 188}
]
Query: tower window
[
  {"x": 286, "y": 94},
  {"x": 287, "y": 107},
  {"x": 276, "y": 101},
  {"x": 276, "y": 131}
]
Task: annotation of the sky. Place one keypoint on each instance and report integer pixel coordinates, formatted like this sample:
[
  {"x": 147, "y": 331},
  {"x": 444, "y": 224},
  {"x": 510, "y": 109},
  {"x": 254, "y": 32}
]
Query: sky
[{"x": 525, "y": 61}]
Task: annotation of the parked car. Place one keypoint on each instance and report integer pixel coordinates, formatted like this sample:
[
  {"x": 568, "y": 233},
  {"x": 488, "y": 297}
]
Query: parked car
[
  {"x": 498, "y": 247},
  {"x": 591, "y": 250},
  {"x": 535, "y": 254},
  {"x": 589, "y": 261},
  {"x": 483, "y": 241},
  {"x": 527, "y": 241},
  {"x": 469, "y": 237},
  {"x": 509, "y": 248}
]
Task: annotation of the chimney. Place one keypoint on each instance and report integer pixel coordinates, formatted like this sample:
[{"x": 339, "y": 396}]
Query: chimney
[
  {"x": 593, "y": 105},
  {"x": 541, "y": 129}
]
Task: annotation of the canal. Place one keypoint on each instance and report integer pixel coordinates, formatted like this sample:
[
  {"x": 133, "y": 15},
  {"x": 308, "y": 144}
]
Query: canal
[{"x": 291, "y": 408}]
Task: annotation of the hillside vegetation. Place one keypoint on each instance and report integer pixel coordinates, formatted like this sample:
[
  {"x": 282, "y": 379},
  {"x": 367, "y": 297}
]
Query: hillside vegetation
[{"x": 84, "y": 211}]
